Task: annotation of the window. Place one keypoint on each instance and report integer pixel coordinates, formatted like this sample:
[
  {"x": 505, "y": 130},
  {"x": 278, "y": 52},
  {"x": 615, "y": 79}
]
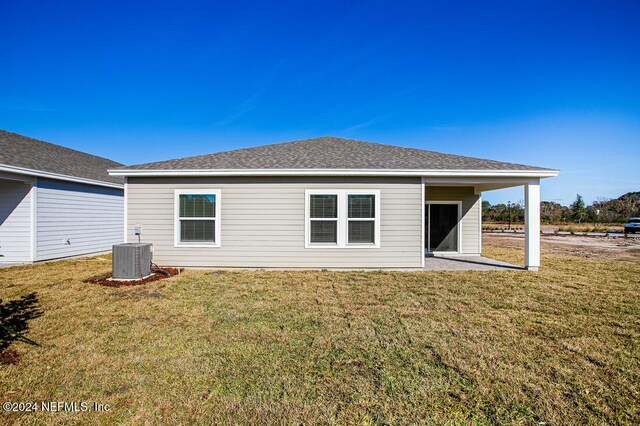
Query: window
[
  {"x": 361, "y": 218},
  {"x": 324, "y": 218},
  {"x": 197, "y": 218},
  {"x": 342, "y": 218}
]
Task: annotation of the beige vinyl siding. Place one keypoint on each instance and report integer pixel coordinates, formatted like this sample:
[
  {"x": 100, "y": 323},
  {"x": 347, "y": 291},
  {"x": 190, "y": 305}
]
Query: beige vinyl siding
[
  {"x": 15, "y": 221},
  {"x": 263, "y": 223},
  {"x": 470, "y": 215}
]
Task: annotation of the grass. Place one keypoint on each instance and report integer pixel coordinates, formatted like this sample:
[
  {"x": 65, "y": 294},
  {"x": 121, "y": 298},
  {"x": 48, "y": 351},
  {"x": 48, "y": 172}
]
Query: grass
[
  {"x": 502, "y": 228},
  {"x": 559, "y": 346},
  {"x": 585, "y": 228},
  {"x": 561, "y": 227}
]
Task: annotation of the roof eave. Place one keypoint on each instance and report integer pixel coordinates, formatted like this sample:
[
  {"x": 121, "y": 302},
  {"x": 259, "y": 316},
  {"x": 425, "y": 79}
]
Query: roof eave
[
  {"x": 40, "y": 173},
  {"x": 541, "y": 173}
]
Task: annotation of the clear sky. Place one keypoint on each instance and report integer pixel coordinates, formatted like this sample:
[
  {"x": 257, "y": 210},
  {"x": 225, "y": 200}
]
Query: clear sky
[{"x": 554, "y": 84}]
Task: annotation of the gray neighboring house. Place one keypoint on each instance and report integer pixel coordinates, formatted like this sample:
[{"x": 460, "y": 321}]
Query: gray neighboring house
[
  {"x": 56, "y": 202},
  {"x": 320, "y": 203}
]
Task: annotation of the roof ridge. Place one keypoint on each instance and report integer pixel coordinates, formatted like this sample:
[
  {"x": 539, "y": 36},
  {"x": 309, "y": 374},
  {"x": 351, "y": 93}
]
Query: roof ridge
[
  {"x": 247, "y": 148},
  {"x": 330, "y": 152}
]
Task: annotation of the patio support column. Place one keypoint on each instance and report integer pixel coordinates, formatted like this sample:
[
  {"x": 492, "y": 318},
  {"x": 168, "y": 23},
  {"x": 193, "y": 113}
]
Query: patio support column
[{"x": 532, "y": 225}]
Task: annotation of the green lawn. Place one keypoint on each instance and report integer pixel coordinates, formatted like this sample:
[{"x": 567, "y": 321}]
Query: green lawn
[{"x": 558, "y": 346}]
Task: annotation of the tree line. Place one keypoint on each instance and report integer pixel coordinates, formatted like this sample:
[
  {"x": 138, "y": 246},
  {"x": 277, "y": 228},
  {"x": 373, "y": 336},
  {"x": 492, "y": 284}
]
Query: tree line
[{"x": 601, "y": 211}]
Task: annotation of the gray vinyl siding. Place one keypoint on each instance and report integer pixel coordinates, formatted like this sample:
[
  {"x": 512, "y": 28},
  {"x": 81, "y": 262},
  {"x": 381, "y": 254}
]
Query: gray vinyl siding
[
  {"x": 263, "y": 223},
  {"x": 470, "y": 215},
  {"x": 90, "y": 217},
  {"x": 15, "y": 221}
]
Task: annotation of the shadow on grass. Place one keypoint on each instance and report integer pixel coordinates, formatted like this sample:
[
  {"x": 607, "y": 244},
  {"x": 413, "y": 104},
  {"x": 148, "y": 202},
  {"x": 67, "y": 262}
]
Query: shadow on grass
[{"x": 14, "y": 323}]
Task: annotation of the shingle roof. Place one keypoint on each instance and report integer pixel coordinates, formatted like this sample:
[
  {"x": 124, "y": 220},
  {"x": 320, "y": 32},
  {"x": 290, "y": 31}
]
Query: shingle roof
[
  {"x": 21, "y": 151},
  {"x": 330, "y": 153}
]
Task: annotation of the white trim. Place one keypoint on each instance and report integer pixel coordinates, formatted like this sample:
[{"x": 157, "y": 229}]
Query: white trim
[
  {"x": 125, "y": 208},
  {"x": 217, "y": 219},
  {"x": 423, "y": 247},
  {"x": 459, "y": 226},
  {"x": 532, "y": 226},
  {"x": 40, "y": 173},
  {"x": 33, "y": 229},
  {"x": 480, "y": 224},
  {"x": 342, "y": 219},
  {"x": 468, "y": 180},
  {"x": 336, "y": 172}
]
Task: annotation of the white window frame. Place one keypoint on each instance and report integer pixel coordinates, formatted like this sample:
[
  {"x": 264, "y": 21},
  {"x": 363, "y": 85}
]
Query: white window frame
[
  {"x": 217, "y": 219},
  {"x": 343, "y": 218}
]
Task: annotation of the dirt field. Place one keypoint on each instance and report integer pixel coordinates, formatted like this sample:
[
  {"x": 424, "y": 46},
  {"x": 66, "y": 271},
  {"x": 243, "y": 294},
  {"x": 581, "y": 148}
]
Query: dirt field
[{"x": 591, "y": 247}]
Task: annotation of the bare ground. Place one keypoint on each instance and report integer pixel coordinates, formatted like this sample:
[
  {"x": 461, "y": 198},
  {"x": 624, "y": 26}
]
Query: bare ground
[{"x": 613, "y": 248}]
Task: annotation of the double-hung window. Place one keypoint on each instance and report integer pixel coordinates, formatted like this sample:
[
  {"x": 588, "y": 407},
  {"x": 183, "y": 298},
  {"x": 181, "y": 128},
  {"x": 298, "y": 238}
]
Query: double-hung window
[
  {"x": 197, "y": 217},
  {"x": 323, "y": 216},
  {"x": 342, "y": 218},
  {"x": 361, "y": 219}
]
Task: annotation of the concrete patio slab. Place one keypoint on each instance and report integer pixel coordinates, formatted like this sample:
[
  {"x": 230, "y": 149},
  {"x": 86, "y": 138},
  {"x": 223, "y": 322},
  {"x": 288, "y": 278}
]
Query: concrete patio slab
[{"x": 467, "y": 263}]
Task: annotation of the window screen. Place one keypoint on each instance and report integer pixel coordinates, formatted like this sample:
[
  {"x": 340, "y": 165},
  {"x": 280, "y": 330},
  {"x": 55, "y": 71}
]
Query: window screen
[
  {"x": 197, "y": 231},
  {"x": 324, "y": 206},
  {"x": 324, "y": 231},
  {"x": 361, "y": 231},
  {"x": 197, "y": 205},
  {"x": 362, "y": 206},
  {"x": 361, "y": 220},
  {"x": 197, "y": 215}
]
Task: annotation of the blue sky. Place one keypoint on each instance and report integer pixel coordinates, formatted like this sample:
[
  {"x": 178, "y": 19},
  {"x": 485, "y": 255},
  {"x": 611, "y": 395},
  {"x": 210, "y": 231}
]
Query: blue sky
[{"x": 554, "y": 84}]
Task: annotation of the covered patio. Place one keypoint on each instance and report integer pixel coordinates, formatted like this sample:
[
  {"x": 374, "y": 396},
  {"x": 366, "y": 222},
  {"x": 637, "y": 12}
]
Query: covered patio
[
  {"x": 467, "y": 263},
  {"x": 453, "y": 219}
]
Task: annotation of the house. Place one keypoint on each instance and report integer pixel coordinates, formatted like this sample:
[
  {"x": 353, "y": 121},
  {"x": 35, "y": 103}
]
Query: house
[
  {"x": 320, "y": 203},
  {"x": 55, "y": 202}
]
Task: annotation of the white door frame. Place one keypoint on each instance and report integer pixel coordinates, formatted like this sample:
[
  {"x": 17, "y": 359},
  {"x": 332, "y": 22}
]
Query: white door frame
[{"x": 428, "y": 236}]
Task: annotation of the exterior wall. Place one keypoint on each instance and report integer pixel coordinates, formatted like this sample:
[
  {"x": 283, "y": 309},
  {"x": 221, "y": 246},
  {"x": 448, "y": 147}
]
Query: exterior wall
[
  {"x": 75, "y": 219},
  {"x": 15, "y": 221},
  {"x": 470, "y": 232},
  {"x": 263, "y": 223}
]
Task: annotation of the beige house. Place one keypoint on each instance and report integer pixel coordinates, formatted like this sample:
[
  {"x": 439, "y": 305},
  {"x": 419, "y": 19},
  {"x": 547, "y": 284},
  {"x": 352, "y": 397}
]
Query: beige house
[{"x": 320, "y": 203}]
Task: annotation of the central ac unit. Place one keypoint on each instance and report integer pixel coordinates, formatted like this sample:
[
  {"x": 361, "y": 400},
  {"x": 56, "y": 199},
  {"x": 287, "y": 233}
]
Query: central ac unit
[{"x": 131, "y": 261}]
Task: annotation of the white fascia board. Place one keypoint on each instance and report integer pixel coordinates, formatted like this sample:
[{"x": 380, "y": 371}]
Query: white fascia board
[
  {"x": 335, "y": 172},
  {"x": 479, "y": 180},
  {"x": 40, "y": 173}
]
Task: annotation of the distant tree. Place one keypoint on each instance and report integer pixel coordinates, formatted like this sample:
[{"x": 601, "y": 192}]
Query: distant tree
[
  {"x": 603, "y": 210},
  {"x": 552, "y": 212},
  {"x": 578, "y": 210},
  {"x": 629, "y": 204},
  {"x": 620, "y": 209},
  {"x": 500, "y": 212},
  {"x": 591, "y": 214},
  {"x": 517, "y": 212},
  {"x": 486, "y": 206}
]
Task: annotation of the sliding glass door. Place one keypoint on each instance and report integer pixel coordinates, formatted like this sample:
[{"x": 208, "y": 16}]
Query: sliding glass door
[{"x": 441, "y": 225}]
